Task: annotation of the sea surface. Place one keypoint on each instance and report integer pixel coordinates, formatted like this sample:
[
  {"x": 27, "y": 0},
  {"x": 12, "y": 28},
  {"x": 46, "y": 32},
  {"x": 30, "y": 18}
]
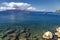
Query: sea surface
[{"x": 38, "y": 22}]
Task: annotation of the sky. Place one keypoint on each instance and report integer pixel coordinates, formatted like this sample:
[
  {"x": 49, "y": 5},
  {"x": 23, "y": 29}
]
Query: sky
[{"x": 42, "y": 5}]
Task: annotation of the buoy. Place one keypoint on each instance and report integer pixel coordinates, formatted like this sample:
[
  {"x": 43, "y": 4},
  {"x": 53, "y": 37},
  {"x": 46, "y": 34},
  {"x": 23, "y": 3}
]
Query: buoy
[{"x": 47, "y": 35}]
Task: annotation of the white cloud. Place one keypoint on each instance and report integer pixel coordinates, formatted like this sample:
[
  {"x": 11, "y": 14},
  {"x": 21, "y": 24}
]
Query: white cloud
[
  {"x": 6, "y": 8},
  {"x": 16, "y": 5},
  {"x": 31, "y": 8}
]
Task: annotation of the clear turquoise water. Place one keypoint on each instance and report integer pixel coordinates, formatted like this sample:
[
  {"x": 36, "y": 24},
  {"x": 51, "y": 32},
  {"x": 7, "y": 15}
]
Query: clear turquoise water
[{"x": 38, "y": 22}]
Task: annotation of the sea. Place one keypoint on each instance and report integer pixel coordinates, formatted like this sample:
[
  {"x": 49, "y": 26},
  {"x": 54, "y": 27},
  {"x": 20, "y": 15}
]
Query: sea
[{"x": 37, "y": 22}]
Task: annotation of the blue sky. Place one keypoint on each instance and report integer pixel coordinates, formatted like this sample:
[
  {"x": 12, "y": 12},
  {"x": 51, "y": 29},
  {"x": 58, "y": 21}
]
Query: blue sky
[{"x": 47, "y": 5}]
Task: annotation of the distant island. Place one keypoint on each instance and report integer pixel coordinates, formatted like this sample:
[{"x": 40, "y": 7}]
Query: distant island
[{"x": 57, "y": 10}]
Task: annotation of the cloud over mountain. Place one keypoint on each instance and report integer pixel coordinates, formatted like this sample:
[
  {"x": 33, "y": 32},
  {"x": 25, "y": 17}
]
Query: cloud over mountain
[{"x": 16, "y": 5}]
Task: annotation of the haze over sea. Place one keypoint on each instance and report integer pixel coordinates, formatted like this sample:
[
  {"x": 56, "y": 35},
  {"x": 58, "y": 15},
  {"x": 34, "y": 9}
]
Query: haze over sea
[{"x": 38, "y": 22}]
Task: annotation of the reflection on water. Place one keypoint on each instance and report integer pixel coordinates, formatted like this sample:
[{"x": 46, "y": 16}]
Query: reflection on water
[{"x": 37, "y": 22}]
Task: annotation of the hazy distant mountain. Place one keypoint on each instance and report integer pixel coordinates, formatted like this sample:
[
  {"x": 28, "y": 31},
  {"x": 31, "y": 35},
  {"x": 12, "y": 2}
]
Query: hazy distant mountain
[{"x": 18, "y": 10}]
